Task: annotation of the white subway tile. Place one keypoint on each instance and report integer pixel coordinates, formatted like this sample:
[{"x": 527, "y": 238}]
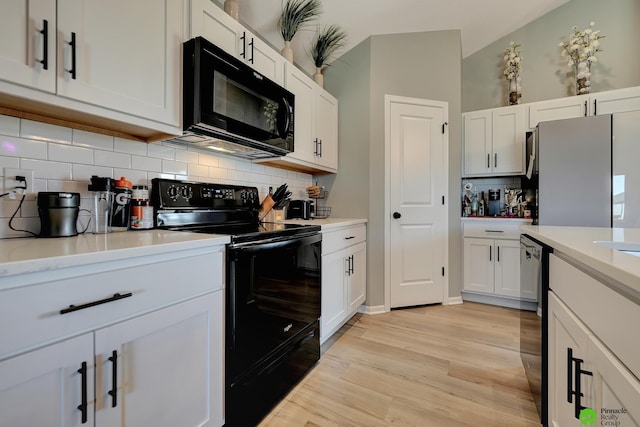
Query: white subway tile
[
  {"x": 31, "y": 224},
  {"x": 208, "y": 160},
  {"x": 122, "y": 145},
  {"x": 29, "y": 209},
  {"x": 136, "y": 177},
  {"x": 146, "y": 163},
  {"x": 182, "y": 177},
  {"x": 109, "y": 158},
  {"x": 218, "y": 173},
  {"x": 226, "y": 163},
  {"x": 170, "y": 166},
  {"x": 71, "y": 154},
  {"x": 160, "y": 151},
  {"x": 84, "y": 172},
  {"x": 9, "y": 125},
  {"x": 45, "y": 132},
  {"x": 151, "y": 175},
  {"x": 9, "y": 162},
  {"x": 81, "y": 187},
  {"x": 199, "y": 170},
  {"x": 46, "y": 169},
  {"x": 8, "y": 207},
  {"x": 244, "y": 166},
  {"x": 235, "y": 175},
  {"x": 19, "y": 147},
  {"x": 92, "y": 140},
  {"x": 39, "y": 184},
  {"x": 186, "y": 156}
]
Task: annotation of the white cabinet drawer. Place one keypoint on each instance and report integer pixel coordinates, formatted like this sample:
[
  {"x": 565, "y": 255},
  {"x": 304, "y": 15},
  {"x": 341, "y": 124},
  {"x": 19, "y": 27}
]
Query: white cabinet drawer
[
  {"x": 340, "y": 239},
  {"x": 31, "y": 316},
  {"x": 609, "y": 315},
  {"x": 491, "y": 230}
]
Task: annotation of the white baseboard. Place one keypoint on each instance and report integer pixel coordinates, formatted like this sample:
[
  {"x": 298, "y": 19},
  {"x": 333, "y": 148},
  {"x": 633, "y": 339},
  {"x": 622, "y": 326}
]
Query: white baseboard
[
  {"x": 454, "y": 300},
  {"x": 371, "y": 309},
  {"x": 500, "y": 301}
]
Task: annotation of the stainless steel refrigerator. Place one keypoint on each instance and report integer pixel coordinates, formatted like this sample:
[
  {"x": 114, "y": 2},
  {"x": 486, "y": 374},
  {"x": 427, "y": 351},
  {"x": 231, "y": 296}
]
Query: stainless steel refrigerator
[{"x": 588, "y": 171}]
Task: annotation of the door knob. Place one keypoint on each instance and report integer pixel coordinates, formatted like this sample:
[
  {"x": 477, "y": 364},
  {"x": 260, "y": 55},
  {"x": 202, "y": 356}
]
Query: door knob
[{"x": 396, "y": 215}]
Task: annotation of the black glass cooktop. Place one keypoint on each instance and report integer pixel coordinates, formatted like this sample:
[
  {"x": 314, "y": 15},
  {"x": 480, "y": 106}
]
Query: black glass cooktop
[{"x": 241, "y": 233}]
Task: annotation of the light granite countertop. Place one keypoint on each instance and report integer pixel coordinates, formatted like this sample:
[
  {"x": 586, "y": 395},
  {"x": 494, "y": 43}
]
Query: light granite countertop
[
  {"x": 327, "y": 224},
  {"x": 579, "y": 243},
  {"x": 27, "y": 255}
]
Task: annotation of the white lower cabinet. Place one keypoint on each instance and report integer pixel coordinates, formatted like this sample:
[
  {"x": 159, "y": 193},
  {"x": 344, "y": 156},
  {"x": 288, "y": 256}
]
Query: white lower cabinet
[
  {"x": 491, "y": 264},
  {"x": 83, "y": 352},
  {"x": 591, "y": 354},
  {"x": 344, "y": 277}
]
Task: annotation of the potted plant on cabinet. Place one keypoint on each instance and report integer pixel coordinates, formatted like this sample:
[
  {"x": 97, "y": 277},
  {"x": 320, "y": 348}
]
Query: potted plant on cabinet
[
  {"x": 325, "y": 44},
  {"x": 295, "y": 14}
]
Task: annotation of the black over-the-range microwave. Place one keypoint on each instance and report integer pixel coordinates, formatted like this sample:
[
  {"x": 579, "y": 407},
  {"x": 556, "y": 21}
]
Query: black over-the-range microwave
[{"x": 230, "y": 108}]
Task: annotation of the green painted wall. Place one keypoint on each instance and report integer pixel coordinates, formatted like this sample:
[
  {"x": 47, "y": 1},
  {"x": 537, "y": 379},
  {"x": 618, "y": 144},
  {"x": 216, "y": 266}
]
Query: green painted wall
[{"x": 545, "y": 74}]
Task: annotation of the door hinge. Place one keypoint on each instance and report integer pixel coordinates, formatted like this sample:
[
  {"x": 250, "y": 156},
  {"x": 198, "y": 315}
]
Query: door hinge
[
  {"x": 442, "y": 271},
  {"x": 443, "y": 200},
  {"x": 443, "y": 126}
]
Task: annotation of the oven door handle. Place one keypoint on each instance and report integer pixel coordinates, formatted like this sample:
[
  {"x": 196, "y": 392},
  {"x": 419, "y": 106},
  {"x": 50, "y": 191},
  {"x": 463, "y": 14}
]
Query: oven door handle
[{"x": 276, "y": 243}]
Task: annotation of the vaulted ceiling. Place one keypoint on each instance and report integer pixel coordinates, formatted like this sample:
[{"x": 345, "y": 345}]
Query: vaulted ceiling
[{"x": 481, "y": 22}]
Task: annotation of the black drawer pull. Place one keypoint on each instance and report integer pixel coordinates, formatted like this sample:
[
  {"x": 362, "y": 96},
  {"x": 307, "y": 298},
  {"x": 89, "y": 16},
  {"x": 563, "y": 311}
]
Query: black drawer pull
[
  {"x": 115, "y": 297},
  {"x": 83, "y": 405},
  {"x": 350, "y": 237},
  {"x": 73, "y": 46}
]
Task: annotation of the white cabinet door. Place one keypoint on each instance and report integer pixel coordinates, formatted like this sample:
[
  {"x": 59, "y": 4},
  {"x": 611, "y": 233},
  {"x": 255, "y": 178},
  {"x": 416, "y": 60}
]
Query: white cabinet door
[
  {"x": 25, "y": 43},
  {"x": 334, "y": 310},
  {"x": 168, "y": 367},
  {"x": 616, "y": 101},
  {"x": 478, "y": 265},
  {"x": 357, "y": 276},
  {"x": 208, "y": 20},
  {"x": 261, "y": 57},
  {"x": 126, "y": 55},
  {"x": 477, "y": 143},
  {"x": 613, "y": 388},
  {"x": 557, "y": 109},
  {"x": 45, "y": 388},
  {"x": 507, "y": 269},
  {"x": 508, "y": 141},
  {"x": 302, "y": 87},
  {"x": 567, "y": 339},
  {"x": 326, "y": 125}
]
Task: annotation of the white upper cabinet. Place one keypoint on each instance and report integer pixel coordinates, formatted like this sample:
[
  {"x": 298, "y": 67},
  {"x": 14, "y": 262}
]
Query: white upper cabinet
[
  {"x": 616, "y": 101},
  {"x": 494, "y": 142},
  {"x": 211, "y": 22},
  {"x": 326, "y": 129},
  {"x": 29, "y": 60},
  {"x": 122, "y": 55}
]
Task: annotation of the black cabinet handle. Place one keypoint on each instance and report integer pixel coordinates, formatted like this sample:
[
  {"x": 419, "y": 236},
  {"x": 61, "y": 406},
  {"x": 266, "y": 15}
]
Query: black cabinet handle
[
  {"x": 350, "y": 237},
  {"x": 348, "y": 270},
  {"x": 352, "y": 263},
  {"x": 488, "y": 160},
  {"x": 251, "y": 44},
  {"x": 397, "y": 215},
  {"x": 82, "y": 407},
  {"x": 498, "y": 256},
  {"x": 114, "y": 378},
  {"x": 244, "y": 45},
  {"x": 45, "y": 44},
  {"x": 595, "y": 107},
  {"x": 586, "y": 106},
  {"x": 315, "y": 146},
  {"x": 577, "y": 381},
  {"x": 490, "y": 253},
  {"x": 115, "y": 297},
  {"x": 495, "y": 160},
  {"x": 320, "y": 148},
  {"x": 72, "y": 43}
]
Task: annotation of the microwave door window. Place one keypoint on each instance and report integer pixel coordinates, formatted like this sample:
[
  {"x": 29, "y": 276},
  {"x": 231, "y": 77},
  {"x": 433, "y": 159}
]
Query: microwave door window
[{"x": 241, "y": 104}]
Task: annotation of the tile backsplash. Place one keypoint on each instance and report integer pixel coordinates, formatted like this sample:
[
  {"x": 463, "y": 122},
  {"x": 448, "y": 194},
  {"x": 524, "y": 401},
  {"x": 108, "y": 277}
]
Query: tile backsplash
[{"x": 63, "y": 159}]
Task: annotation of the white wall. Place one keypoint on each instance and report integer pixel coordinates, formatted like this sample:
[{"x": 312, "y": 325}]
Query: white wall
[{"x": 63, "y": 159}]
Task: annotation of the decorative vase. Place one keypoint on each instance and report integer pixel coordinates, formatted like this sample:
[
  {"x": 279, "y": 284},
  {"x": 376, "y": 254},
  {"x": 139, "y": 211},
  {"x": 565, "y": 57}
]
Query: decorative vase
[
  {"x": 231, "y": 7},
  {"x": 318, "y": 77},
  {"x": 515, "y": 91},
  {"x": 583, "y": 78},
  {"x": 287, "y": 52}
]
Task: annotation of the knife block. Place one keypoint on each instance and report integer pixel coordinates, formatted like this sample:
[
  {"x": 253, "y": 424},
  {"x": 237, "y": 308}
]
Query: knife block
[{"x": 265, "y": 207}]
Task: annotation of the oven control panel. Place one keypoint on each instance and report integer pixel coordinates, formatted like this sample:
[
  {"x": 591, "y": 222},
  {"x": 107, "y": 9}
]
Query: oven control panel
[{"x": 167, "y": 193}]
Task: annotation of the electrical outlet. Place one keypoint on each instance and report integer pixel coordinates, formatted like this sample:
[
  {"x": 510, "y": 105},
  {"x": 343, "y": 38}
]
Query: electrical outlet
[{"x": 11, "y": 184}]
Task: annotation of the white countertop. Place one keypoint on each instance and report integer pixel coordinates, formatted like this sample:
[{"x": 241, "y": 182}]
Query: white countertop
[
  {"x": 327, "y": 223},
  {"x": 578, "y": 243},
  {"x": 19, "y": 256},
  {"x": 506, "y": 219}
]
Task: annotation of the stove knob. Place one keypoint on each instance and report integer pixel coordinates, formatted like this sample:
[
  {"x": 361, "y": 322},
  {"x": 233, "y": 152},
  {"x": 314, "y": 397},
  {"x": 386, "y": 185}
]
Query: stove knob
[
  {"x": 186, "y": 192},
  {"x": 172, "y": 191}
]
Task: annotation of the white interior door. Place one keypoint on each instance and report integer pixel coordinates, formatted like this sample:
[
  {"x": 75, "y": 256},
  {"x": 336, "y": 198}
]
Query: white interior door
[{"x": 417, "y": 210}]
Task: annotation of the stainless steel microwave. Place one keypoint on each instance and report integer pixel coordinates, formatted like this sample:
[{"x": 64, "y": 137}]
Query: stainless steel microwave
[{"x": 230, "y": 108}]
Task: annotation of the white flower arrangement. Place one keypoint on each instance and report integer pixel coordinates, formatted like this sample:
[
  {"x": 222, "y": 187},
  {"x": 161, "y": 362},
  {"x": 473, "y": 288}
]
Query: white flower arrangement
[
  {"x": 513, "y": 62},
  {"x": 580, "y": 52}
]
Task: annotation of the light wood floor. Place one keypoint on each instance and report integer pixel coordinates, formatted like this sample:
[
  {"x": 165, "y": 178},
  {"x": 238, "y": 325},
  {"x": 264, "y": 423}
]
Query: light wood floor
[{"x": 435, "y": 366}]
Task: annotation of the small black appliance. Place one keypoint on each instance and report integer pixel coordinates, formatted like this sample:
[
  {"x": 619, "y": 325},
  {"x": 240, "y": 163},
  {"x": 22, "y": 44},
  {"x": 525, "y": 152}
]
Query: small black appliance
[
  {"x": 300, "y": 209},
  {"x": 58, "y": 213}
]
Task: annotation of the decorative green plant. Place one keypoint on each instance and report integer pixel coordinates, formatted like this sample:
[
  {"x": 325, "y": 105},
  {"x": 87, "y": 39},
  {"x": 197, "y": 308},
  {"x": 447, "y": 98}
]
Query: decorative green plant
[
  {"x": 295, "y": 14},
  {"x": 326, "y": 43}
]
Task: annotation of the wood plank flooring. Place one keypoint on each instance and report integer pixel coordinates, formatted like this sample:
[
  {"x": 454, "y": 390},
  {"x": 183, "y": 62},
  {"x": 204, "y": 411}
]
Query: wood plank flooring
[{"x": 435, "y": 366}]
